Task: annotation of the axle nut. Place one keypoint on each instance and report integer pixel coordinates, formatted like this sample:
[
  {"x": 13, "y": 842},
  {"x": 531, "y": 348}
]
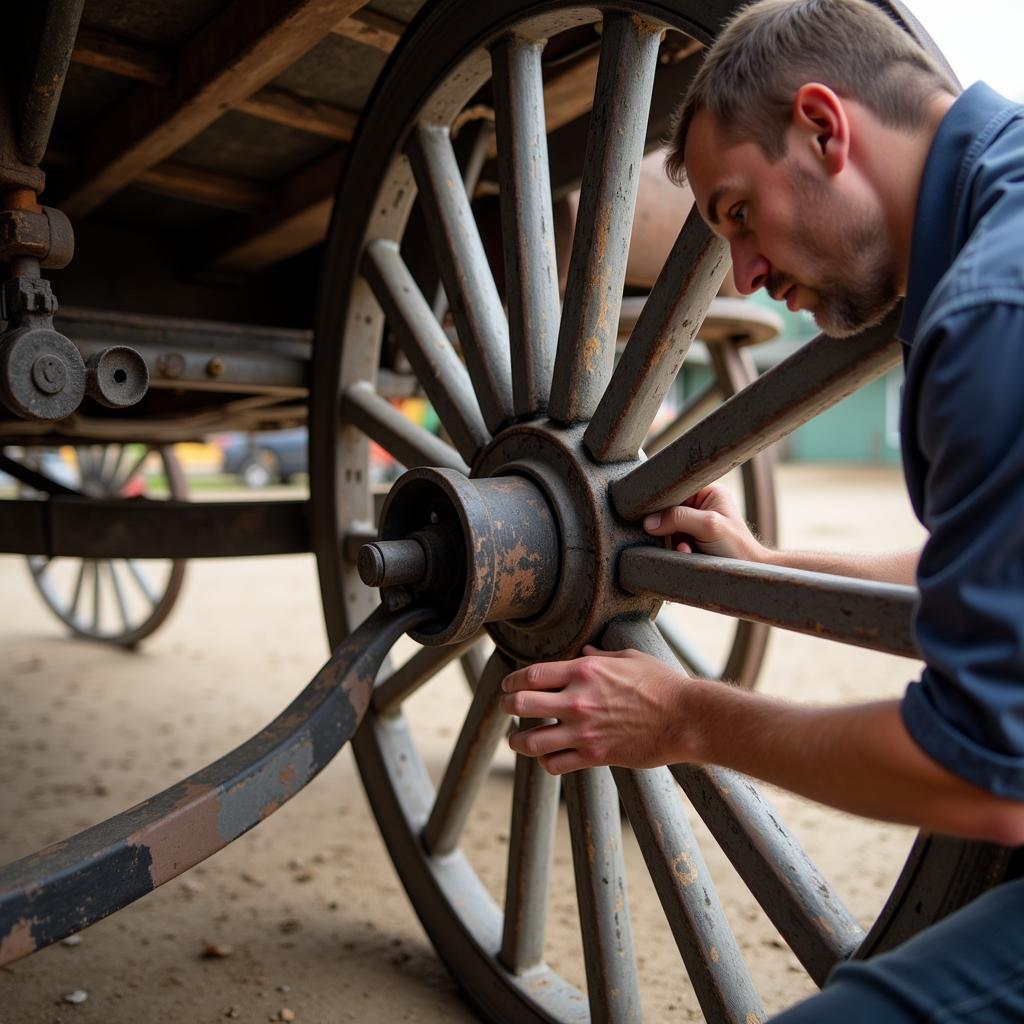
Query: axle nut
[
  {"x": 117, "y": 377},
  {"x": 42, "y": 375}
]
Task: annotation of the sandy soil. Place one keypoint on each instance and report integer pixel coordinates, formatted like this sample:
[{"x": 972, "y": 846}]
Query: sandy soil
[{"x": 307, "y": 906}]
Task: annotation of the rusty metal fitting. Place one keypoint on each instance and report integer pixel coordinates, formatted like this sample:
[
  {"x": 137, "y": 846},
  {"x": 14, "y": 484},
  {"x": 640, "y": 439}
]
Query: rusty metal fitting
[
  {"x": 42, "y": 375},
  {"x": 117, "y": 377},
  {"x": 474, "y": 551},
  {"x": 42, "y": 233}
]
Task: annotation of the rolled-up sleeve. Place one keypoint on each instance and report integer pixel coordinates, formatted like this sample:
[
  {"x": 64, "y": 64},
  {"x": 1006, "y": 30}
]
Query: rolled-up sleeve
[{"x": 967, "y": 709}]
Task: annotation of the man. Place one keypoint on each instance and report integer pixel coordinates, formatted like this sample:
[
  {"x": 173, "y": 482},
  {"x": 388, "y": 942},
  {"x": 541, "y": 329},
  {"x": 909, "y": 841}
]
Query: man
[{"x": 835, "y": 159}]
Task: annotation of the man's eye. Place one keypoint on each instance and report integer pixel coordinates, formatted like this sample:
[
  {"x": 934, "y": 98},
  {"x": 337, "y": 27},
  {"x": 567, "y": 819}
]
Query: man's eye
[{"x": 738, "y": 214}]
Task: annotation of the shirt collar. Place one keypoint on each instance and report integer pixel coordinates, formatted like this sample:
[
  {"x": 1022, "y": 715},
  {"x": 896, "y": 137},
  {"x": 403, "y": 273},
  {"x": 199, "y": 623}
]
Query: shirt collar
[{"x": 935, "y": 242}]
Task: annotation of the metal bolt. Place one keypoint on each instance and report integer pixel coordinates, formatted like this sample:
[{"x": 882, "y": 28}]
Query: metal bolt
[
  {"x": 171, "y": 365},
  {"x": 215, "y": 367},
  {"x": 49, "y": 374}
]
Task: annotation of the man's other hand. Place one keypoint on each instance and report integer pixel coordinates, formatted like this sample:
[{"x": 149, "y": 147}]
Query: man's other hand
[
  {"x": 620, "y": 707},
  {"x": 709, "y": 522}
]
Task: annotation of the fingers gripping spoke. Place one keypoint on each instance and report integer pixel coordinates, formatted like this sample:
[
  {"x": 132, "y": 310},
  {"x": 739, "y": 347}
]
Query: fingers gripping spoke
[
  {"x": 530, "y": 849},
  {"x": 702, "y": 933},
  {"x": 443, "y": 377},
  {"x": 852, "y": 611},
  {"x": 527, "y": 223},
  {"x": 597, "y": 267},
  {"x": 472, "y": 295},
  {"x": 484, "y": 726},
  {"x": 660, "y": 340},
  {"x": 409, "y": 443},
  {"x": 806, "y": 383},
  {"x": 596, "y": 833}
]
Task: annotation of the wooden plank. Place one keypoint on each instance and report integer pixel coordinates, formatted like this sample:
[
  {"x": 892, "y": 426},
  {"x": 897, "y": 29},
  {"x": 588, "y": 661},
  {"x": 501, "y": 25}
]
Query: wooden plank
[
  {"x": 210, "y": 188},
  {"x": 303, "y": 112},
  {"x": 107, "y": 52},
  {"x": 298, "y": 221},
  {"x": 372, "y": 29},
  {"x": 233, "y": 56}
]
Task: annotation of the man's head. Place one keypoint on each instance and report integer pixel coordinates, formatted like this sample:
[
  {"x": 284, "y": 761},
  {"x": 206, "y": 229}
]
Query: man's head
[{"x": 770, "y": 138}]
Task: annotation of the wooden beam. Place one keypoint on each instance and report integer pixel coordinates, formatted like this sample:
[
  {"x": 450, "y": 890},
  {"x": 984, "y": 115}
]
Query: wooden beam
[
  {"x": 302, "y": 112},
  {"x": 210, "y": 188},
  {"x": 372, "y": 29},
  {"x": 238, "y": 52},
  {"x": 101, "y": 50},
  {"x": 297, "y": 222},
  {"x": 302, "y": 220}
]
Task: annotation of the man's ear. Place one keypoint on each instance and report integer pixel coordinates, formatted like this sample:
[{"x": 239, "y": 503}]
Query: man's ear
[{"x": 819, "y": 118}]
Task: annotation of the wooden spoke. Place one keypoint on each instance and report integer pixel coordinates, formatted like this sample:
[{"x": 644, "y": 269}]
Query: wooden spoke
[
  {"x": 444, "y": 378},
  {"x": 779, "y": 874},
  {"x": 484, "y": 726},
  {"x": 526, "y": 219},
  {"x": 408, "y": 442},
  {"x": 684, "y": 649},
  {"x": 597, "y": 267},
  {"x": 141, "y": 582},
  {"x": 390, "y": 692},
  {"x": 612, "y": 983},
  {"x": 121, "y": 481},
  {"x": 660, "y": 340},
  {"x": 96, "y": 595},
  {"x": 115, "y": 585},
  {"x": 811, "y": 380},
  {"x": 702, "y": 933},
  {"x": 76, "y": 593},
  {"x": 852, "y": 611},
  {"x": 474, "y": 661},
  {"x": 774, "y": 867},
  {"x": 709, "y": 397},
  {"x": 472, "y": 295},
  {"x": 530, "y": 847}
]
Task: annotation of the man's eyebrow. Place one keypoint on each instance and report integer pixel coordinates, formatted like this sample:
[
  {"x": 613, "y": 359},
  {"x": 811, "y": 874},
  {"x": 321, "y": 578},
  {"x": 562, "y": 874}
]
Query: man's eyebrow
[{"x": 713, "y": 202}]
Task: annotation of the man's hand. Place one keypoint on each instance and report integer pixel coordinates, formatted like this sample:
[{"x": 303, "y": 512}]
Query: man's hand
[
  {"x": 620, "y": 707},
  {"x": 710, "y": 522}
]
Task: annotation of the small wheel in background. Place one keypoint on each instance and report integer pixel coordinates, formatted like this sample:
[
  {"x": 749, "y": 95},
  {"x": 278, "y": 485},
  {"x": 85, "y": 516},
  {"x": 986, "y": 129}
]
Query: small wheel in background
[
  {"x": 117, "y": 600},
  {"x": 259, "y": 470}
]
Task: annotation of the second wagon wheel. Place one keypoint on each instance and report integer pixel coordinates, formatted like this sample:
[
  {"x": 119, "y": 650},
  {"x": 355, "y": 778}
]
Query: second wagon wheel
[
  {"x": 119, "y": 601},
  {"x": 526, "y": 525}
]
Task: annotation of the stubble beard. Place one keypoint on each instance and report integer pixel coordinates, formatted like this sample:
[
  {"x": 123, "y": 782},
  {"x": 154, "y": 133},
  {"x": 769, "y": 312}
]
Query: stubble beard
[{"x": 868, "y": 287}]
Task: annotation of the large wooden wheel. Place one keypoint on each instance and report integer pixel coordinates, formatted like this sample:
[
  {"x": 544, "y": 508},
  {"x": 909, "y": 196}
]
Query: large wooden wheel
[{"x": 524, "y": 526}]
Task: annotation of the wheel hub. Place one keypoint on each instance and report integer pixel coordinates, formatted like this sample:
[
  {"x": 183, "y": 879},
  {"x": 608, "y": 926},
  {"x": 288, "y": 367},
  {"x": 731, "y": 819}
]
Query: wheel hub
[{"x": 527, "y": 546}]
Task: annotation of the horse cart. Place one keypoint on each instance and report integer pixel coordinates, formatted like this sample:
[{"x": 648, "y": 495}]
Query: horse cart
[{"x": 268, "y": 213}]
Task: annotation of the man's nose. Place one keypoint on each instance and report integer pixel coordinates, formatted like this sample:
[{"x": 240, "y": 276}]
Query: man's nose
[{"x": 749, "y": 267}]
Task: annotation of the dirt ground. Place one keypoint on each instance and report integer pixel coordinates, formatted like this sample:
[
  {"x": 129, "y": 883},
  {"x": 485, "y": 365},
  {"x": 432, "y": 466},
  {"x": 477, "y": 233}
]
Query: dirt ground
[{"x": 307, "y": 906}]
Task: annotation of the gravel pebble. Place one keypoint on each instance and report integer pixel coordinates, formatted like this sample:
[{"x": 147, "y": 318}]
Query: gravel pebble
[{"x": 78, "y": 996}]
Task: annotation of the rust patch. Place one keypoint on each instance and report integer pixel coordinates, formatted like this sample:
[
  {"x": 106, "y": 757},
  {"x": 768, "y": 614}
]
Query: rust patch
[
  {"x": 18, "y": 942},
  {"x": 684, "y": 867},
  {"x": 185, "y": 836}
]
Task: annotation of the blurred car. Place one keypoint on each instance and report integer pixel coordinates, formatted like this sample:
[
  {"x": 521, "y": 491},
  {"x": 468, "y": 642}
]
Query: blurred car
[
  {"x": 275, "y": 457},
  {"x": 259, "y": 460}
]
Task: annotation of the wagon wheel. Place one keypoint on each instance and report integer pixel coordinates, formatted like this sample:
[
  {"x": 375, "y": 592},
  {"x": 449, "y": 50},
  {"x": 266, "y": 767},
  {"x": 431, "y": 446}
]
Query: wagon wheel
[
  {"x": 119, "y": 601},
  {"x": 539, "y": 539}
]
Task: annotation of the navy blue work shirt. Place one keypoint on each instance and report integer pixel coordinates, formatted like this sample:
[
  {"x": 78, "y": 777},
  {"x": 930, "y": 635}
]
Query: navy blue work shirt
[{"x": 962, "y": 426}]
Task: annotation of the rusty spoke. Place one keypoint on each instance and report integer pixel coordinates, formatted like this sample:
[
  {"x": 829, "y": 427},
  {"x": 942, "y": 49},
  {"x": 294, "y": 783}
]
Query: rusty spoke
[
  {"x": 813, "y": 379},
  {"x": 474, "y": 661},
  {"x": 403, "y": 682},
  {"x": 853, "y": 611},
  {"x": 705, "y": 940},
  {"x": 443, "y": 376},
  {"x": 659, "y": 342},
  {"x": 406, "y": 441},
  {"x": 472, "y": 295},
  {"x": 611, "y": 169},
  {"x": 484, "y": 726},
  {"x": 609, "y": 958},
  {"x": 530, "y": 849},
  {"x": 526, "y": 219},
  {"x": 773, "y": 865}
]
